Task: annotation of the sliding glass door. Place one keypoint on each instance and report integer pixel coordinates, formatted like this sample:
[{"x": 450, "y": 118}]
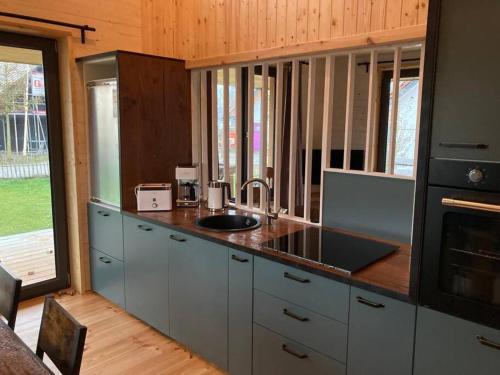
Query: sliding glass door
[{"x": 33, "y": 232}]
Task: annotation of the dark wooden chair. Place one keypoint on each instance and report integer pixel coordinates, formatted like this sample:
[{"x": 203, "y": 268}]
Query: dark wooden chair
[
  {"x": 10, "y": 292},
  {"x": 61, "y": 337}
]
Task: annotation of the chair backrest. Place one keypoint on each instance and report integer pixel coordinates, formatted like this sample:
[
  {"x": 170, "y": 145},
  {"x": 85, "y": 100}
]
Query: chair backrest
[
  {"x": 61, "y": 337},
  {"x": 10, "y": 292}
]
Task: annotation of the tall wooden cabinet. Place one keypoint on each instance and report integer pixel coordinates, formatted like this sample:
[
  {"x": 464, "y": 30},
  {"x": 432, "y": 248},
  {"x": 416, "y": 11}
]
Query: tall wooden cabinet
[{"x": 154, "y": 118}]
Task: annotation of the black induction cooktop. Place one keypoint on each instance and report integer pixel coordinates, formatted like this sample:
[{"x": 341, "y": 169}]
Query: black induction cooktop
[{"x": 340, "y": 251}]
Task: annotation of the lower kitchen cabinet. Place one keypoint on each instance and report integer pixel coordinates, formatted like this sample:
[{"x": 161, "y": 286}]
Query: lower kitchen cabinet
[
  {"x": 274, "y": 354},
  {"x": 381, "y": 334},
  {"x": 240, "y": 313},
  {"x": 198, "y": 293},
  {"x": 446, "y": 345},
  {"x": 106, "y": 275},
  {"x": 146, "y": 272}
]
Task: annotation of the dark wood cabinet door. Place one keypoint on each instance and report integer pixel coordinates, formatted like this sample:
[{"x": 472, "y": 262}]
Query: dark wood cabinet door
[{"x": 155, "y": 120}]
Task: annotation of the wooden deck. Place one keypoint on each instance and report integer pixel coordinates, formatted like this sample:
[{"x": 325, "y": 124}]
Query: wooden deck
[{"x": 30, "y": 256}]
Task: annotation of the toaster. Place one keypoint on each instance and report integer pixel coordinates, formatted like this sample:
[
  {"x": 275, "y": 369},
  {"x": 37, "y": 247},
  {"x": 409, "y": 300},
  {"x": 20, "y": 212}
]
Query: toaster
[{"x": 154, "y": 197}]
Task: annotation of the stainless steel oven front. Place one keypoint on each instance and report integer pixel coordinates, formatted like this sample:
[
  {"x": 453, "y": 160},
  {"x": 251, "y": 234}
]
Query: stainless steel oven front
[{"x": 460, "y": 272}]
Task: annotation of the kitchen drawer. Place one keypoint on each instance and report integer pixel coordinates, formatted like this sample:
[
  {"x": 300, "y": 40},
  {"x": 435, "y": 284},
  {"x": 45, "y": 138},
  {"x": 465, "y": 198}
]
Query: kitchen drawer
[
  {"x": 381, "y": 333},
  {"x": 275, "y": 355},
  {"x": 107, "y": 276},
  {"x": 446, "y": 345},
  {"x": 316, "y": 331},
  {"x": 105, "y": 230},
  {"x": 316, "y": 293}
]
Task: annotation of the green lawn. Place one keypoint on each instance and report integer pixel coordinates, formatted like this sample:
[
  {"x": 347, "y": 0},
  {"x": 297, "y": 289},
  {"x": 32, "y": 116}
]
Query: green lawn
[{"x": 25, "y": 205}]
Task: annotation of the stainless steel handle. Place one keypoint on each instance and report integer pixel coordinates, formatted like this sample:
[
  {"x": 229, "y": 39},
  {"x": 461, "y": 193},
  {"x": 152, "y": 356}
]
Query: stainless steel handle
[
  {"x": 102, "y": 213},
  {"x": 470, "y": 205},
  {"x": 295, "y": 278},
  {"x": 178, "y": 239},
  {"x": 295, "y": 316},
  {"x": 239, "y": 259},
  {"x": 144, "y": 228},
  {"x": 367, "y": 302},
  {"x": 487, "y": 342},
  {"x": 105, "y": 260},
  {"x": 293, "y": 352}
]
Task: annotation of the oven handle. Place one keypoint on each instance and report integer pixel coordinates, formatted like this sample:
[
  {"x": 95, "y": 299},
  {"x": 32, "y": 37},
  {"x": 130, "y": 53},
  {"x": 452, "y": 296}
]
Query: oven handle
[{"x": 470, "y": 205}]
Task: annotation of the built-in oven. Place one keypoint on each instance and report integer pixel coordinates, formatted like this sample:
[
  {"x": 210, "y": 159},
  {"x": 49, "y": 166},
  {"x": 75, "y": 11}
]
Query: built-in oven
[{"x": 460, "y": 272}]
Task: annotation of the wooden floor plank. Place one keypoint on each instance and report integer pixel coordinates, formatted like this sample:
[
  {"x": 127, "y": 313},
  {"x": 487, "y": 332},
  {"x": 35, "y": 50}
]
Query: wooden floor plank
[{"x": 117, "y": 343}]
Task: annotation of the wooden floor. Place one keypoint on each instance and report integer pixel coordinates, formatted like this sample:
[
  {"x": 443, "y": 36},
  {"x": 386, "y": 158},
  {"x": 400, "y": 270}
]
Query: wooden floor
[
  {"x": 30, "y": 256},
  {"x": 117, "y": 343}
]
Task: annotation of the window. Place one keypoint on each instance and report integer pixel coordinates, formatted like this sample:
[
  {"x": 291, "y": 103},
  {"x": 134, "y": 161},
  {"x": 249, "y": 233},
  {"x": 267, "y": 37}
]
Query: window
[
  {"x": 406, "y": 124},
  {"x": 288, "y": 121}
]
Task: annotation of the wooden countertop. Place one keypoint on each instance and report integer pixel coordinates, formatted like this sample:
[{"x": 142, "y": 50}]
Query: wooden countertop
[{"x": 389, "y": 276}]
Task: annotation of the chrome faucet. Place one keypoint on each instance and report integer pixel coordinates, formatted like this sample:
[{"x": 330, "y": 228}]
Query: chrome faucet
[{"x": 269, "y": 214}]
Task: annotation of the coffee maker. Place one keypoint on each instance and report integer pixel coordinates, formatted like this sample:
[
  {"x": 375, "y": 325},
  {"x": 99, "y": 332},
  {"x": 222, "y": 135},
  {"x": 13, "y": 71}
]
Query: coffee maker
[{"x": 188, "y": 187}]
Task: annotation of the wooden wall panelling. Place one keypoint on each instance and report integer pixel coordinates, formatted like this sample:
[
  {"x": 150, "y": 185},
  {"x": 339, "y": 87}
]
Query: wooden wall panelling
[
  {"x": 350, "y": 17},
  {"x": 271, "y": 21},
  {"x": 337, "y": 18},
  {"x": 377, "y": 19},
  {"x": 393, "y": 14},
  {"x": 194, "y": 29},
  {"x": 281, "y": 12},
  {"x": 261, "y": 24}
]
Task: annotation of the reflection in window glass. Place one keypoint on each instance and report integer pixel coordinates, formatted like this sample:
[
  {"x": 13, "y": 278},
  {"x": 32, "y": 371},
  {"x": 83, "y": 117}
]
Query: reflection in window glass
[
  {"x": 220, "y": 122},
  {"x": 232, "y": 131},
  {"x": 406, "y": 125}
]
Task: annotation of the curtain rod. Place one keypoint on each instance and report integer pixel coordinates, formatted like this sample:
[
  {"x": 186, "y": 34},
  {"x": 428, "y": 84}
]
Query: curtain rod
[{"x": 82, "y": 28}]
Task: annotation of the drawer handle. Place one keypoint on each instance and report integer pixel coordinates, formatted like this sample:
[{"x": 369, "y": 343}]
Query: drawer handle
[
  {"x": 178, "y": 239},
  {"x": 487, "y": 342},
  {"x": 295, "y": 316},
  {"x": 296, "y": 278},
  {"x": 293, "y": 352},
  {"x": 239, "y": 259},
  {"x": 103, "y": 213},
  {"x": 144, "y": 228},
  {"x": 364, "y": 301},
  {"x": 104, "y": 260}
]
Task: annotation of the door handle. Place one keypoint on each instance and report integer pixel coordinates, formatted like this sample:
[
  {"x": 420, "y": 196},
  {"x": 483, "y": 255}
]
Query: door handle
[
  {"x": 480, "y": 146},
  {"x": 293, "y": 352},
  {"x": 103, "y": 213},
  {"x": 487, "y": 342},
  {"x": 144, "y": 228},
  {"x": 295, "y": 316},
  {"x": 470, "y": 205},
  {"x": 295, "y": 278},
  {"x": 239, "y": 259},
  {"x": 104, "y": 260},
  {"x": 178, "y": 239},
  {"x": 367, "y": 302}
]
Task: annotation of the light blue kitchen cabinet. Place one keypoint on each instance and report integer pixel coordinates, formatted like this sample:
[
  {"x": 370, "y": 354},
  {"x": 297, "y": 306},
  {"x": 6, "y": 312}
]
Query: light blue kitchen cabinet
[
  {"x": 198, "y": 296},
  {"x": 316, "y": 293},
  {"x": 324, "y": 335},
  {"x": 105, "y": 230},
  {"x": 240, "y": 313},
  {"x": 278, "y": 355},
  {"x": 146, "y": 272},
  {"x": 381, "y": 334},
  {"x": 446, "y": 345},
  {"x": 106, "y": 275}
]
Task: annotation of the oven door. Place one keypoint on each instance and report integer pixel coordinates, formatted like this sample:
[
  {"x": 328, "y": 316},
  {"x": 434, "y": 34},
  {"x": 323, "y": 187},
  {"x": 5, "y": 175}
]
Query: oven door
[{"x": 461, "y": 255}]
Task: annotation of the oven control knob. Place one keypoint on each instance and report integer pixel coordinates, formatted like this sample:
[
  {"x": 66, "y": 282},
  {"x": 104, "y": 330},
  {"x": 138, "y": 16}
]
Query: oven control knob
[{"x": 475, "y": 175}]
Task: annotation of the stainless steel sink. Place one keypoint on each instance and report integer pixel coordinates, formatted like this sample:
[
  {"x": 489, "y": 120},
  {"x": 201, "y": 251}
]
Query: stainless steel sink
[{"x": 228, "y": 223}]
